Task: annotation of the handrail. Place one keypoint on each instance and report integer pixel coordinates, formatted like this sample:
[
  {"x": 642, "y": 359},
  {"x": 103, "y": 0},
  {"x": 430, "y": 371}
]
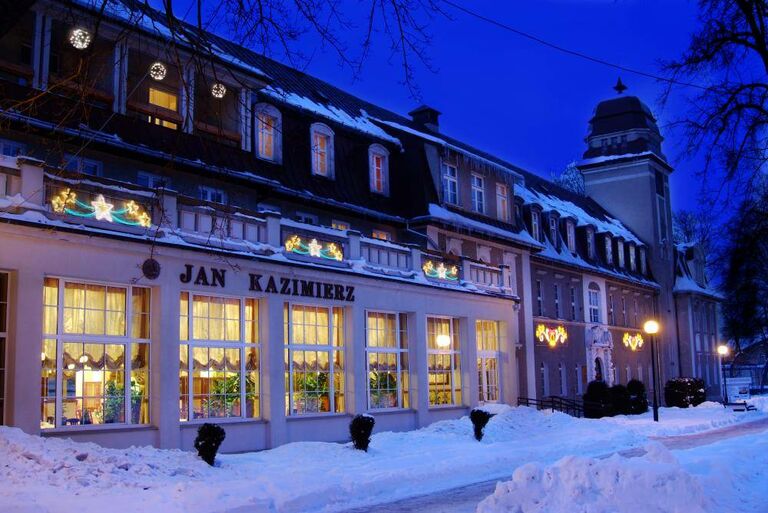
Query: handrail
[{"x": 554, "y": 403}]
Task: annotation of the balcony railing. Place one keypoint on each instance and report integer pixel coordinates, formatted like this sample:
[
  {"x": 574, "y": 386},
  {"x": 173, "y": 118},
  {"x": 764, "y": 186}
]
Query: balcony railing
[{"x": 159, "y": 213}]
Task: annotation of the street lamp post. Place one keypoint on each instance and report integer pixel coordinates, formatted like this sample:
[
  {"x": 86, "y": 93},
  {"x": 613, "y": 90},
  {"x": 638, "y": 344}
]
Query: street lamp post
[
  {"x": 651, "y": 328},
  {"x": 722, "y": 350}
]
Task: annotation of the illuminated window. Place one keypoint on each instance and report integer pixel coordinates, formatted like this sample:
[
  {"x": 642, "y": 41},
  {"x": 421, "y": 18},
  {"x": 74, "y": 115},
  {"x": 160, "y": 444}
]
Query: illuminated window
[
  {"x": 386, "y": 345},
  {"x": 378, "y": 163},
  {"x": 322, "y": 150},
  {"x": 268, "y": 132},
  {"x": 443, "y": 361},
  {"x": 340, "y": 225},
  {"x": 502, "y": 202},
  {"x": 218, "y": 357},
  {"x": 165, "y": 100},
  {"x": 488, "y": 335},
  {"x": 381, "y": 235},
  {"x": 102, "y": 334},
  {"x": 478, "y": 193},
  {"x": 314, "y": 359},
  {"x": 450, "y": 184}
]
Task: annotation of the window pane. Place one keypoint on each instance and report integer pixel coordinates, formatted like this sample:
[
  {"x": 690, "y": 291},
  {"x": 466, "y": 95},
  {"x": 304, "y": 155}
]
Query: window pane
[{"x": 140, "y": 384}]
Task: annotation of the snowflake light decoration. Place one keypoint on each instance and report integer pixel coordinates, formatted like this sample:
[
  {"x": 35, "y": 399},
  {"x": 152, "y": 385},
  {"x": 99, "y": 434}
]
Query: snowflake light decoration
[
  {"x": 158, "y": 71},
  {"x": 218, "y": 90},
  {"x": 80, "y": 38}
]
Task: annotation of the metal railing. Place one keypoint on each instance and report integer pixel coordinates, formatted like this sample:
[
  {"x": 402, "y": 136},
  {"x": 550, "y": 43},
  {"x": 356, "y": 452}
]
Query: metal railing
[{"x": 554, "y": 403}]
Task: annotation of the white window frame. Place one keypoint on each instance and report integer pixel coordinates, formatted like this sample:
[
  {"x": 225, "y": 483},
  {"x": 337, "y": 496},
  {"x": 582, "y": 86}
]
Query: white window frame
[
  {"x": 454, "y": 354},
  {"x": 260, "y": 111},
  {"x": 558, "y": 313},
  {"x": 608, "y": 250},
  {"x": 329, "y": 348},
  {"x": 570, "y": 231},
  {"x": 450, "y": 179},
  {"x": 191, "y": 342},
  {"x": 611, "y": 311},
  {"x": 477, "y": 183},
  {"x": 207, "y": 193},
  {"x": 594, "y": 305},
  {"x": 400, "y": 350},
  {"x": 127, "y": 341},
  {"x": 487, "y": 358},
  {"x": 374, "y": 151},
  {"x": 574, "y": 309},
  {"x": 502, "y": 202},
  {"x": 562, "y": 370},
  {"x": 553, "y": 229},
  {"x": 320, "y": 129},
  {"x": 535, "y": 230}
]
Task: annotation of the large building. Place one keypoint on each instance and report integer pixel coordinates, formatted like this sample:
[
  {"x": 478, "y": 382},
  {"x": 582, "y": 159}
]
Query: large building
[{"x": 188, "y": 238}]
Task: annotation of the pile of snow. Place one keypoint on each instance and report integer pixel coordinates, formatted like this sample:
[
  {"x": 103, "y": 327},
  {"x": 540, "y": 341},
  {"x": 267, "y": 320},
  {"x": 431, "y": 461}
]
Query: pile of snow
[
  {"x": 760, "y": 402},
  {"x": 654, "y": 482}
]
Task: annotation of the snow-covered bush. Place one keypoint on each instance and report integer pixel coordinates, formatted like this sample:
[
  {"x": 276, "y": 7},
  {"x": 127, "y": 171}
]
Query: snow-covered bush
[
  {"x": 684, "y": 392},
  {"x": 479, "y": 419},
  {"x": 208, "y": 441},
  {"x": 596, "y": 400},
  {"x": 638, "y": 401},
  {"x": 360, "y": 430}
]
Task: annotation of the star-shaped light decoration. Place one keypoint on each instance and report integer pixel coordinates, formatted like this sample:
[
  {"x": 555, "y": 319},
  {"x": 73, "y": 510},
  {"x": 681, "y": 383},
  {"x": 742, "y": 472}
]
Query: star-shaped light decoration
[
  {"x": 442, "y": 271},
  {"x": 314, "y": 248},
  {"x": 102, "y": 210}
]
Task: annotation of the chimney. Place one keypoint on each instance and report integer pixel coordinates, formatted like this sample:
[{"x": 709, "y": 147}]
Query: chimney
[{"x": 427, "y": 117}]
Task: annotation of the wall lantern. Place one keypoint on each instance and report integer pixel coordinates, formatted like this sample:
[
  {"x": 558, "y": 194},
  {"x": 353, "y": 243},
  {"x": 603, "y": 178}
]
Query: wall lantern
[
  {"x": 634, "y": 342},
  {"x": 443, "y": 340},
  {"x": 551, "y": 335},
  {"x": 158, "y": 71},
  {"x": 80, "y": 38},
  {"x": 218, "y": 90}
]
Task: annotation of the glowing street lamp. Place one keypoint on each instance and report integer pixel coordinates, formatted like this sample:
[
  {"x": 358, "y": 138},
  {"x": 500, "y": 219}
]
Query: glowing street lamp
[
  {"x": 723, "y": 350},
  {"x": 651, "y": 328}
]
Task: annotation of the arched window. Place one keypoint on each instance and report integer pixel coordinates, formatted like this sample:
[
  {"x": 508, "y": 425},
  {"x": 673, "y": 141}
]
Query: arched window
[
  {"x": 594, "y": 302},
  {"x": 321, "y": 140},
  {"x": 378, "y": 163},
  {"x": 268, "y": 132}
]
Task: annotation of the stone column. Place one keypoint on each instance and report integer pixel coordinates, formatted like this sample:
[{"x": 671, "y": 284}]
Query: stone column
[{"x": 273, "y": 369}]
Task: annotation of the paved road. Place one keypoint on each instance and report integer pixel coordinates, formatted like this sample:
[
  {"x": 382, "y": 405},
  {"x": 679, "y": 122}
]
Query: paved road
[{"x": 465, "y": 499}]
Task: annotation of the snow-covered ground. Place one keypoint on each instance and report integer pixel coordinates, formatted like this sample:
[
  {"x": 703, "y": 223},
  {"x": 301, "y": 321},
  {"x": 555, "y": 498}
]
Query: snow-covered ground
[{"x": 45, "y": 474}]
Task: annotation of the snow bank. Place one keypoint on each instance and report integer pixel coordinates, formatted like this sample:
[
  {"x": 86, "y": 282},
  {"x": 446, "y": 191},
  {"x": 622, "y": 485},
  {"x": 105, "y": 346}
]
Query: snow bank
[
  {"x": 760, "y": 402},
  {"x": 654, "y": 482}
]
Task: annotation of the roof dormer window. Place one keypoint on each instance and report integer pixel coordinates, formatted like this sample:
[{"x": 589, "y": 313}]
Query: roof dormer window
[
  {"x": 268, "y": 132},
  {"x": 321, "y": 137},
  {"x": 590, "y": 244},
  {"x": 643, "y": 262},
  {"x": 620, "y": 248},
  {"x": 478, "y": 193},
  {"x": 570, "y": 233},
  {"x": 535, "y": 231},
  {"x": 450, "y": 184},
  {"x": 553, "y": 229},
  {"x": 378, "y": 163},
  {"x": 632, "y": 258},
  {"x": 608, "y": 250}
]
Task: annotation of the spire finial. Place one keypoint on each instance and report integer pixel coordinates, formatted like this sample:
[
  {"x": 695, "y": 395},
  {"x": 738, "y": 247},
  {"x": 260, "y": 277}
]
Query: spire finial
[{"x": 619, "y": 87}]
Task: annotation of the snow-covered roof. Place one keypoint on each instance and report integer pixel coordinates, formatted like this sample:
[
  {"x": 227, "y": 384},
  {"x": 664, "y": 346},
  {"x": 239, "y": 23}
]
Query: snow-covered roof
[{"x": 443, "y": 214}]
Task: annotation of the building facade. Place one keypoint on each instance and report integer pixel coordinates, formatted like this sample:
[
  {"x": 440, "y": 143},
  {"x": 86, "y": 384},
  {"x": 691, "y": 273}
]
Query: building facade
[{"x": 189, "y": 238}]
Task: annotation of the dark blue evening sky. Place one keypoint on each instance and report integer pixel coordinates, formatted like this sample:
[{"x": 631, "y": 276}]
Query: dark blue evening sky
[{"x": 523, "y": 101}]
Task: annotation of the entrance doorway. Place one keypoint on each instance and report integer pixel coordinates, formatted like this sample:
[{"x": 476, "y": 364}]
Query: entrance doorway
[{"x": 598, "y": 370}]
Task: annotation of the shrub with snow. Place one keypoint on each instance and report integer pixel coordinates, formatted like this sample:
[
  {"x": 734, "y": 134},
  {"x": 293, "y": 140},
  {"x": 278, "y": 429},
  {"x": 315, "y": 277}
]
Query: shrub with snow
[
  {"x": 684, "y": 392},
  {"x": 619, "y": 399},
  {"x": 479, "y": 418},
  {"x": 360, "y": 430},
  {"x": 654, "y": 482},
  {"x": 208, "y": 441}
]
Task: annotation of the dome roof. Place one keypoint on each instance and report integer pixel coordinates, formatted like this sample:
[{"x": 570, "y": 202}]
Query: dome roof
[{"x": 620, "y": 114}]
